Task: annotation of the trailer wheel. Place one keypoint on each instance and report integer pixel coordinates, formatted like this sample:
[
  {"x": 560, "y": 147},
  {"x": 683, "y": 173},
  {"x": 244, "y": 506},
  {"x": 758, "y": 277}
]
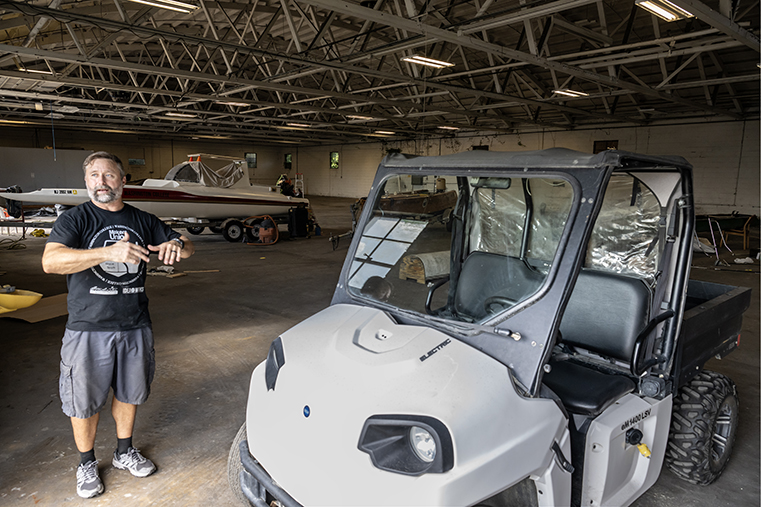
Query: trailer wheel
[
  {"x": 233, "y": 231},
  {"x": 234, "y": 467},
  {"x": 252, "y": 234},
  {"x": 216, "y": 230},
  {"x": 195, "y": 230},
  {"x": 703, "y": 428}
]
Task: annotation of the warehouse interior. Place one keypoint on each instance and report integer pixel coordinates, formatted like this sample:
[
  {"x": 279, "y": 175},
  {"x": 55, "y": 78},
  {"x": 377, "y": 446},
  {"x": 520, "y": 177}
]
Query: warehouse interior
[{"x": 321, "y": 91}]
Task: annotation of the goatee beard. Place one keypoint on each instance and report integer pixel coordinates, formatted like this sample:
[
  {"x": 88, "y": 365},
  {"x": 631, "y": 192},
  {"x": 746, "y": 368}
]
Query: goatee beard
[{"x": 112, "y": 195}]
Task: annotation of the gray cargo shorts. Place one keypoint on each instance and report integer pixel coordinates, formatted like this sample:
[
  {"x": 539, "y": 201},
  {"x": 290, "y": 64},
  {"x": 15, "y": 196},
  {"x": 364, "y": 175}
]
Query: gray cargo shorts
[{"x": 93, "y": 362}]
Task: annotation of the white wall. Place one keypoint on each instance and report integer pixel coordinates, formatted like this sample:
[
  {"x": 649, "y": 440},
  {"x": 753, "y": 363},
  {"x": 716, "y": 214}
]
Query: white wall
[
  {"x": 33, "y": 168},
  {"x": 355, "y": 173},
  {"x": 725, "y": 156}
]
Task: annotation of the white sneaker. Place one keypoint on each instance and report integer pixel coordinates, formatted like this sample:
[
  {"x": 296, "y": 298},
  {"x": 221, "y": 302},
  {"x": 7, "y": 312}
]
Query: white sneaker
[
  {"x": 136, "y": 463},
  {"x": 88, "y": 480}
]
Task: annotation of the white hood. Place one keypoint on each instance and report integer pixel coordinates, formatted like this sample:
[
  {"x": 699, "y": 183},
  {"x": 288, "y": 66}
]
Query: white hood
[{"x": 348, "y": 363}]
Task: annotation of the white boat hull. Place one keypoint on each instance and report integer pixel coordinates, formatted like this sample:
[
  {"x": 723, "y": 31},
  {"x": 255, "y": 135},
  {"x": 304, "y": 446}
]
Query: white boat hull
[{"x": 170, "y": 199}]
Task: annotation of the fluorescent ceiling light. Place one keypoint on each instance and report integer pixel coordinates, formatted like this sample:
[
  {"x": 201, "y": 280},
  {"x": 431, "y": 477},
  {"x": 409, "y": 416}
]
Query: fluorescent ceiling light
[
  {"x": 180, "y": 115},
  {"x": 115, "y": 131},
  {"x": 570, "y": 93},
  {"x": 304, "y": 125},
  {"x": 358, "y": 117},
  {"x": 664, "y": 9},
  {"x": 228, "y": 103},
  {"x": 429, "y": 62},
  {"x": 17, "y": 122},
  {"x": 172, "y": 5},
  {"x": 445, "y": 127},
  {"x": 385, "y": 132},
  {"x": 35, "y": 71}
]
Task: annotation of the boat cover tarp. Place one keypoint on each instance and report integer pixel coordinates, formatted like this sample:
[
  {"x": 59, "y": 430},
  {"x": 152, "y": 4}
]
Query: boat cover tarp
[{"x": 198, "y": 172}]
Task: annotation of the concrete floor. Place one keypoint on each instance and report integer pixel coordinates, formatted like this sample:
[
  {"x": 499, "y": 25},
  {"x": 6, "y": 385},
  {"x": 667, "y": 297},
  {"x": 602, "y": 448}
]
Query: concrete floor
[{"x": 211, "y": 330}]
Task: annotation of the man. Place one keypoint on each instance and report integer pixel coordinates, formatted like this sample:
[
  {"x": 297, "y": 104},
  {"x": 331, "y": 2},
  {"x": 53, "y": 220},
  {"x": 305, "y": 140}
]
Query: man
[{"x": 103, "y": 247}]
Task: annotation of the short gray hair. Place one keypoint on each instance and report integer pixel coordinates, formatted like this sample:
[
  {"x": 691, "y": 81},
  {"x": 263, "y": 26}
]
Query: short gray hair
[{"x": 105, "y": 155}]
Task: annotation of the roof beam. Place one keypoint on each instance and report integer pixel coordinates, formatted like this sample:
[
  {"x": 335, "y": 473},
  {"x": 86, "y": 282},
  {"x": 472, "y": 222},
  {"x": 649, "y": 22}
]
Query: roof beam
[
  {"x": 524, "y": 14},
  {"x": 720, "y": 22},
  {"x": 131, "y": 68},
  {"x": 477, "y": 44},
  {"x": 370, "y": 13}
]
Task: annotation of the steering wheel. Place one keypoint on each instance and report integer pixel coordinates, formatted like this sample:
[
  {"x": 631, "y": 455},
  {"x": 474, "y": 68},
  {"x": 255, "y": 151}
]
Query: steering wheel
[{"x": 498, "y": 300}]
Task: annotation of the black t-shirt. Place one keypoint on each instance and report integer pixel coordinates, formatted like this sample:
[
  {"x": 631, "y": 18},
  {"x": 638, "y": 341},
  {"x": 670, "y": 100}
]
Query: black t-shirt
[{"x": 110, "y": 296}]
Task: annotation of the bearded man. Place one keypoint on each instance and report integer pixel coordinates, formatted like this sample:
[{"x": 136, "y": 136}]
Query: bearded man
[{"x": 103, "y": 247}]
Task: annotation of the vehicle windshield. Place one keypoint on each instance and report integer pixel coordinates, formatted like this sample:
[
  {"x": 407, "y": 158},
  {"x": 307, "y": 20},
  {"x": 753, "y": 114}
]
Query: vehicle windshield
[{"x": 460, "y": 248}]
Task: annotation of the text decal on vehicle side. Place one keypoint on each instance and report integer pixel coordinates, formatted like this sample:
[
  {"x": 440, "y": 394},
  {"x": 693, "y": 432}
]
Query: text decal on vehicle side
[
  {"x": 634, "y": 420},
  {"x": 435, "y": 349}
]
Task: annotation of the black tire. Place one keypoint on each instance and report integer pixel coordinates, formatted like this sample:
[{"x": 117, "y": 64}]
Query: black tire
[
  {"x": 216, "y": 230},
  {"x": 234, "y": 467},
  {"x": 252, "y": 235},
  {"x": 233, "y": 231},
  {"x": 252, "y": 230},
  {"x": 195, "y": 230},
  {"x": 703, "y": 428}
]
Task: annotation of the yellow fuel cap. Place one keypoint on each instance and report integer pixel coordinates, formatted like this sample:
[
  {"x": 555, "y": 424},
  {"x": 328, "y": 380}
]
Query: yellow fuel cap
[{"x": 644, "y": 450}]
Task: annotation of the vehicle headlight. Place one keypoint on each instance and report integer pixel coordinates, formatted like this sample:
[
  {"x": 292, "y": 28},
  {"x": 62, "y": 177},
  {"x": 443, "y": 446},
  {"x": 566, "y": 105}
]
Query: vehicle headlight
[
  {"x": 423, "y": 444},
  {"x": 407, "y": 444}
]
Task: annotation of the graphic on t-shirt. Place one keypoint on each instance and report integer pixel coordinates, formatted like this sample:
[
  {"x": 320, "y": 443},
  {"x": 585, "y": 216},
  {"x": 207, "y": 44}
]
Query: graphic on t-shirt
[
  {"x": 111, "y": 272},
  {"x": 104, "y": 291},
  {"x": 118, "y": 268}
]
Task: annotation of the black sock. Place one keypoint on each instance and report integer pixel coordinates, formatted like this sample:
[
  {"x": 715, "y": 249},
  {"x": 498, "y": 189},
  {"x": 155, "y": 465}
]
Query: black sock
[
  {"x": 86, "y": 457},
  {"x": 123, "y": 445}
]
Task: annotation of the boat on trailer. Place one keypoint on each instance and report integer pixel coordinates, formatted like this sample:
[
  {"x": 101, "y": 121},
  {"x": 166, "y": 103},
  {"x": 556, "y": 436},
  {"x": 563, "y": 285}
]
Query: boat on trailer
[{"x": 191, "y": 192}]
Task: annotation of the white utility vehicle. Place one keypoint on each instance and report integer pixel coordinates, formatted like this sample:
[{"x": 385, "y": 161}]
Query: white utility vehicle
[{"x": 540, "y": 344}]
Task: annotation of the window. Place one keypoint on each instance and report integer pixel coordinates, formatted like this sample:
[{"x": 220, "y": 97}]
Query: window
[
  {"x": 625, "y": 236},
  {"x": 334, "y": 160},
  {"x": 510, "y": 232},
  {"x": 251, "y": 160}
]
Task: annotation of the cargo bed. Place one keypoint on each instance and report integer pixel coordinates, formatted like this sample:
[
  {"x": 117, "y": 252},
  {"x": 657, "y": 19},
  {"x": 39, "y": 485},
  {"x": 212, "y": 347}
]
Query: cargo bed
[{"x": 711, "y": 325}]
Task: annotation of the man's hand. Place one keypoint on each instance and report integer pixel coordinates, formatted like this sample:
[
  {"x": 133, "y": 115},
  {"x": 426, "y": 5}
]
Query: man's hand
[
  {"x": 124, "y": 251},
  {"x": 169, "y": 251},
  {"x": 62, "y": 260}
]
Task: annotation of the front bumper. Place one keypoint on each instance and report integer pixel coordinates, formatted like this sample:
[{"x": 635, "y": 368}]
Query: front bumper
[{"x": 255, "y": 482}]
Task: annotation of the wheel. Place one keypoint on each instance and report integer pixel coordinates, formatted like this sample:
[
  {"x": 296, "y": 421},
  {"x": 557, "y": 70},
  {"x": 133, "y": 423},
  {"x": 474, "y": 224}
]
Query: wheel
[
  {"x": 252, "y": 234},
  {"x": 703, "y": 428},
  {"x": 234, "y": 467},
  {"x": 216, "y": 230},
  {"x": 195, "y": 230},
  {"x": 252, "y": 230},
  {"x": 233, "y": 231}
]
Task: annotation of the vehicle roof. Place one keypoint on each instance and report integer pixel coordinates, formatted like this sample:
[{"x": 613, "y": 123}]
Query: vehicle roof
[{"x": 552, "y": 158}]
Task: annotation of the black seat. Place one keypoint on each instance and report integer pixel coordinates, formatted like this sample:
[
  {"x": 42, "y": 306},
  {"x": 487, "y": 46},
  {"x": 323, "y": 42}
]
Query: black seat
[
  {"x": 485, "y": 275},
  {"x": 605, "y": 315},
  {"x": 583, "y": 390}
]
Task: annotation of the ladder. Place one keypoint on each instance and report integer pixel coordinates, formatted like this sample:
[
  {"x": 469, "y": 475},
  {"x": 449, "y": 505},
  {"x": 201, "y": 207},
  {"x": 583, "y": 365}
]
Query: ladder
[{"x": 298, "y": 184}]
